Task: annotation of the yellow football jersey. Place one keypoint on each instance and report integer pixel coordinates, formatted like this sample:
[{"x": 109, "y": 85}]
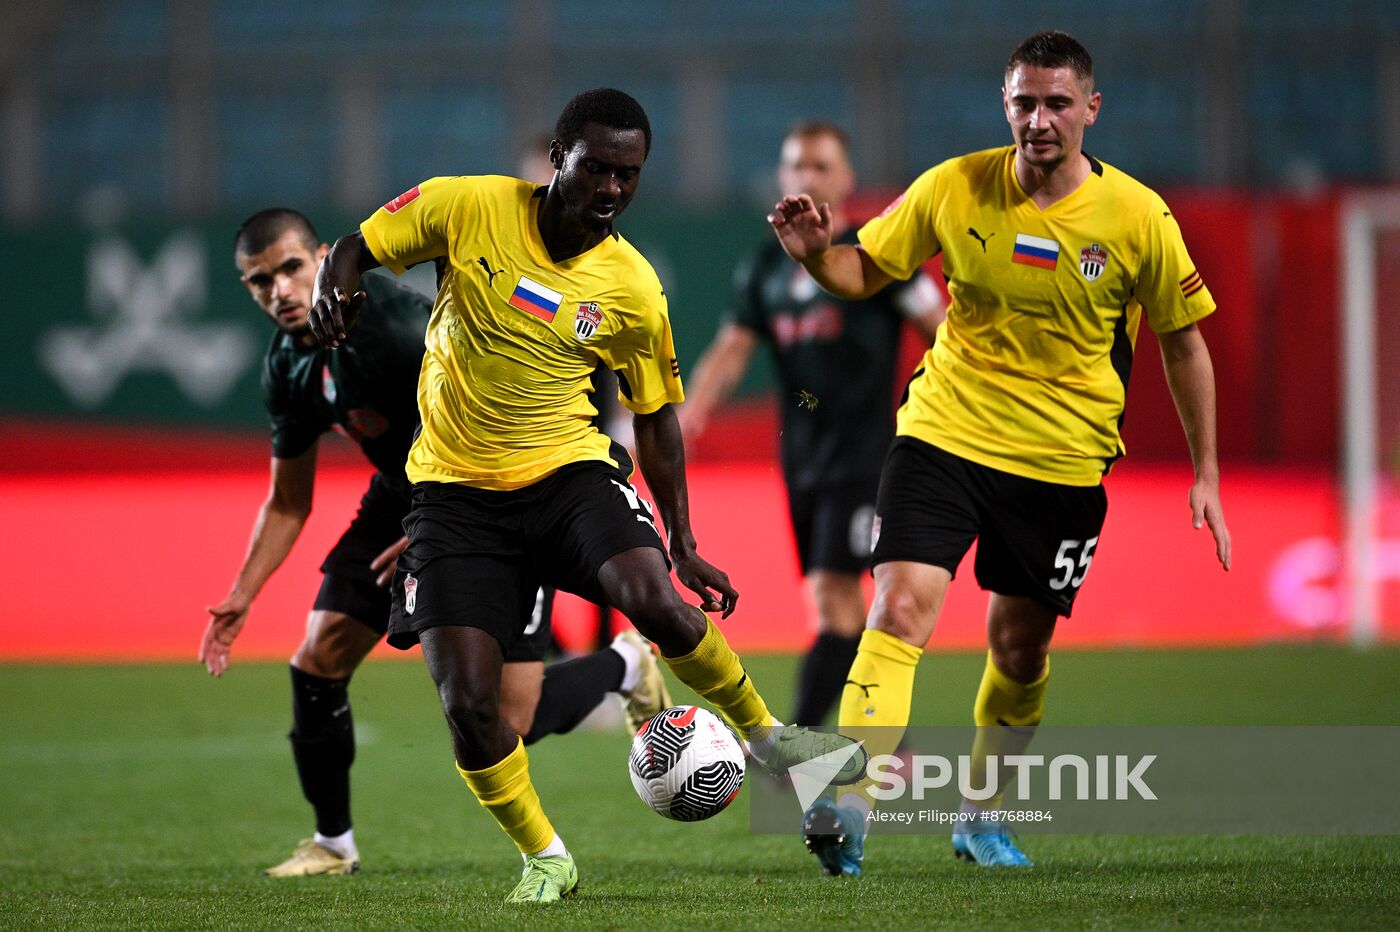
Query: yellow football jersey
[
  {"x": 1029, "y": 372},
  {"x": 514, "y": 336}
]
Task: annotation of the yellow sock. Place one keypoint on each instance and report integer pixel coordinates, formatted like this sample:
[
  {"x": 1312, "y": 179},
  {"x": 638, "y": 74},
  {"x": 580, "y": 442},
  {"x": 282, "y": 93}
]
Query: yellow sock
[
  {"x": 880, "y": 690},
  {"x": 876, "y": 701},
  {"x": 507, "y": 793},
  {"x": 713, "y": 670},
  {"x": 1006, "y": 714}
]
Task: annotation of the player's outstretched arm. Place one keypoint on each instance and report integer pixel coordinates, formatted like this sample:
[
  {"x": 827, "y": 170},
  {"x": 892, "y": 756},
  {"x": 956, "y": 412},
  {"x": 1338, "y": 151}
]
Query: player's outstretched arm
[
  {"x": 279, "y": 523},
  {"x": 1191, "y": 379},
  {"x": 661, "y": 454},
  {"x": 336, "y": 300},
  {"x": 721, "y": 367},
  {"x": 805, "y": 231}
]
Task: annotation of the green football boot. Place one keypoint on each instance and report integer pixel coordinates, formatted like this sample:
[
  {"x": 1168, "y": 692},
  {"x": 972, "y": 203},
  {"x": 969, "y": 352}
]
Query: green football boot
[{"x": 545, "y": 880}]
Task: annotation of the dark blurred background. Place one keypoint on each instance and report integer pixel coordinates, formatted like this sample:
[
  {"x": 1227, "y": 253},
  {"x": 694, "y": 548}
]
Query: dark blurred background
[{"x": 134, "y": 136}]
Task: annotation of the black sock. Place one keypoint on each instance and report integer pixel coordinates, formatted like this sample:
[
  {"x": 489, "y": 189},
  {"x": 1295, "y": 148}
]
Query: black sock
[
  {"x": 574, "y": 688},
  {"x": 822, "y": 677},
  {"x": 323, "y": 743}
]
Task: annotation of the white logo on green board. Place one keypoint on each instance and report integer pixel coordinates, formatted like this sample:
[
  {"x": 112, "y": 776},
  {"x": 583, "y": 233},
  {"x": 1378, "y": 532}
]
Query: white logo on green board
[{"x": 145, "y": 321}]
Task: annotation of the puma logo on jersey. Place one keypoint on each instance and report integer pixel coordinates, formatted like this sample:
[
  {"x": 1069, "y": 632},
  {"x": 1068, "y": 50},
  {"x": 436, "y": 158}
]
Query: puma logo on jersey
[
  {"x": 863, "y": 687},
  {"x": 490, "y": 275},
  {"x": 975, "y": 235}
]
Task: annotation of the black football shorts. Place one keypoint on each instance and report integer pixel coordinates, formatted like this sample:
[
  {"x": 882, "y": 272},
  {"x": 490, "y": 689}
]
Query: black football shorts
[
  {"x": 347, "y": 583},
  {"x": 477, "y": 557},
  {"x": 832, "y": 526},
  {"x": 1034, "y": 539}
]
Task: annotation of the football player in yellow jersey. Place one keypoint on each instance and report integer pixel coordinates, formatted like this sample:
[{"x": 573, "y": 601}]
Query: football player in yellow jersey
[
  {"x": 368, "y": 391},
  {"x": 514, "y": 486},
  {"x": 1052, "y": 258}
]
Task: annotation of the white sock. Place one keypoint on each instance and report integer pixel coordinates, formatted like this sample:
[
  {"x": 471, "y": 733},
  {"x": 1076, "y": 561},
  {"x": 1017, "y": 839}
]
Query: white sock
[
  {"x": 974, "y": 820},
  {"x": 852, "y": 799},
  {"x": 632, "y": 658},
  {"x": 342, "y": 844},
  {"x": 762, "y": 740},
  {"x": 555, "y": 849}
]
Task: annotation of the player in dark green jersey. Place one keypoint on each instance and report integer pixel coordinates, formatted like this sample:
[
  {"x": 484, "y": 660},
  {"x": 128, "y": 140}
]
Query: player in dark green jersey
[
  {"x": 835, "y": 361},
  {"x": 366, "y": 390}
]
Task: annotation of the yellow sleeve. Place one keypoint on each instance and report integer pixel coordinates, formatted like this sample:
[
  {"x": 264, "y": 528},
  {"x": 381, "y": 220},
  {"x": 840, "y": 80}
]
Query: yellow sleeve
[
  {"x": 416, "y": 226},
  {"x": 643, "y": 355},
  {"x": 903, "y": 237},
  {"x": 1169, "y": 288}
]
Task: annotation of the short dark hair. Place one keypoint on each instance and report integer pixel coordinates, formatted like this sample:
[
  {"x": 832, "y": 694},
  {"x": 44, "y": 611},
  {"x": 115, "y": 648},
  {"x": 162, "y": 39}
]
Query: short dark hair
[
  {"x": 1053, "y": 49},
  {"x": 605, "y": 106},
  {"x": 807, "y": 129},
  {"x": 267, "y": 226}
]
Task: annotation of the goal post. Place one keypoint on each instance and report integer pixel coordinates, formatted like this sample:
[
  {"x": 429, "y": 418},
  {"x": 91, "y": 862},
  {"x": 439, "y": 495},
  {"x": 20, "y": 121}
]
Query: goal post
[{"x": 1369, "y": 229}]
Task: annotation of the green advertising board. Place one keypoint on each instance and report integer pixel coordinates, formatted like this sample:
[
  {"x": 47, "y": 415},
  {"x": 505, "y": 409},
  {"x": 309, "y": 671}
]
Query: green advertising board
[{"x": 146, "y": 322}]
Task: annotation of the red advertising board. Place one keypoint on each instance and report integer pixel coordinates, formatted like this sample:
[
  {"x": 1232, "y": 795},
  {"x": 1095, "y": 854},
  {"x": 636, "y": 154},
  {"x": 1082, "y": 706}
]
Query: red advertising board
[{"x": 122, "y": 565}]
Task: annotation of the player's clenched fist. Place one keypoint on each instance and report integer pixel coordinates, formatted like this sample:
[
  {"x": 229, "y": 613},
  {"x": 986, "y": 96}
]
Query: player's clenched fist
[
  {"x": 333, "y": 314},
  {"x": 705, "y": 580}
]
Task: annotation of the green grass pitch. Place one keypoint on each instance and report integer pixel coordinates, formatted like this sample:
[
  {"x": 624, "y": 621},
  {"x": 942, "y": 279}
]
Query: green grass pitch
[{"x": 149, "y": 796}]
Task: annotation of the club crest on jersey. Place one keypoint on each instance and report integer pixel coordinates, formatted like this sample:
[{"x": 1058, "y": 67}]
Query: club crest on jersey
[
  {"x": 587, "y": 320},
  {"x": 1092, "y": 260},
  {"x": 410, "y": 594},
  {"x": 327, "y": 385},
  {"x": 802, "y": 286}
]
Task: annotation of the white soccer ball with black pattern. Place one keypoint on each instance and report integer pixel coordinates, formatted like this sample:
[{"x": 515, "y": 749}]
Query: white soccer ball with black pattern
[{"x": 685, "y": 764}]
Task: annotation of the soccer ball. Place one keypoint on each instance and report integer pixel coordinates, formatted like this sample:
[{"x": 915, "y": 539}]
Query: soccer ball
[{"x": 685, "y": 764}]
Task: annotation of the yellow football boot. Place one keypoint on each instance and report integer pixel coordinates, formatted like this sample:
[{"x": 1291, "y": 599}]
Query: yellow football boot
[
  {"x": 312, "y": 859},
  {"x": 649, "y": 696}
]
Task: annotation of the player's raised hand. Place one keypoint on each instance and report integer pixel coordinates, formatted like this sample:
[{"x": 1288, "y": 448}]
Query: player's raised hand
[
  {"x": 710, "y": 583},
  {"x": 802, "y": 226},
  {"x": 333, "y": 315},
  {"x": 1206, "y": 510},
  {"x": 388, "y": 561},
  {"x": 225, "y": 621}
]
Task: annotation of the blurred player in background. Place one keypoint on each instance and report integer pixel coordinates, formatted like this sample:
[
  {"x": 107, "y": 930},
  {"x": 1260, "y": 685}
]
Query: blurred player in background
[
  {"x": 1052, "y": 258},
  {"x": 835, "y": 362},
  {"x": 366, "y": 390},
  {"x": 514, "y": 485}
]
